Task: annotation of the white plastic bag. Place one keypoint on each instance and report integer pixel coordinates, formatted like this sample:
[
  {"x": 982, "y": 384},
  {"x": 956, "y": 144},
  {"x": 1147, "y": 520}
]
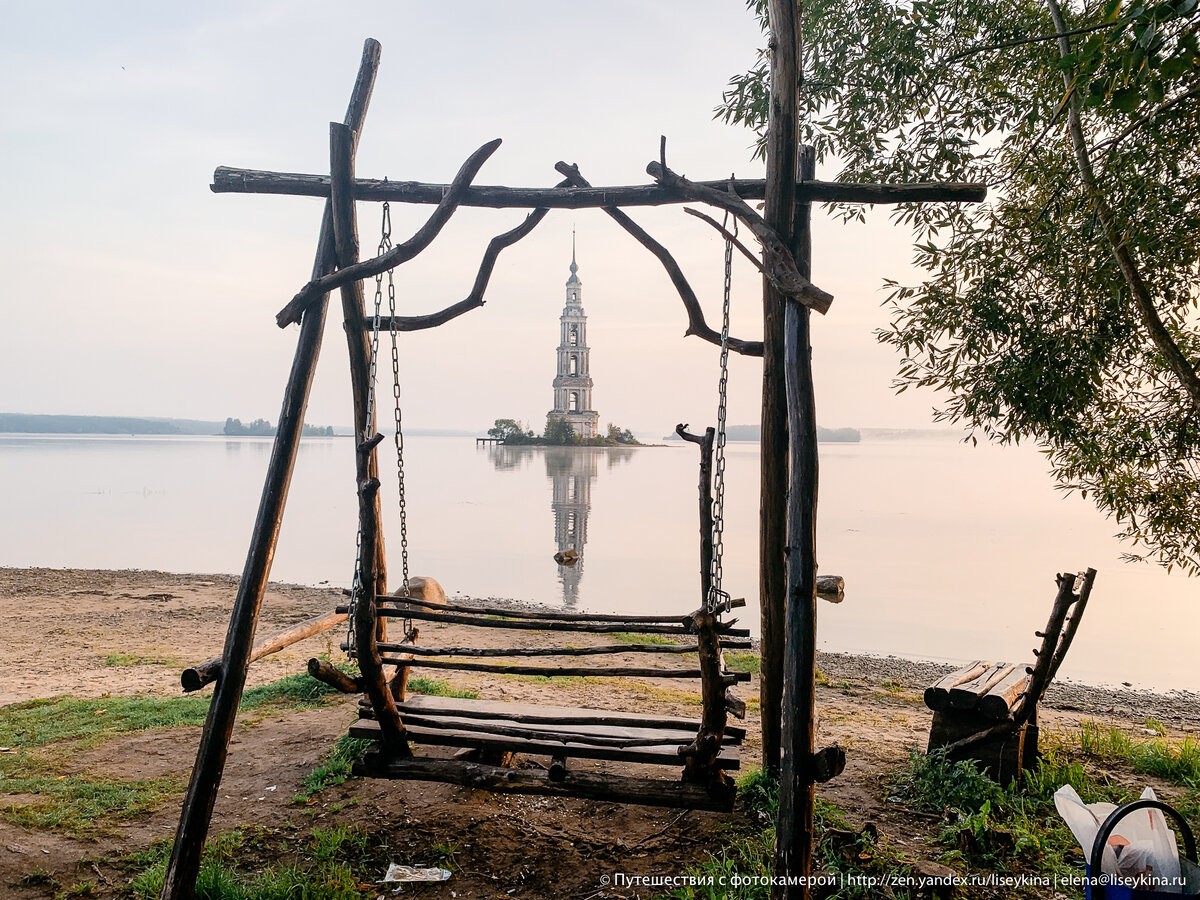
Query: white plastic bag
[{"x": 1141, "y": 848}]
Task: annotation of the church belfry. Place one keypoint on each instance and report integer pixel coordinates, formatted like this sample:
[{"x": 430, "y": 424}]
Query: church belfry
[{"x": 573, "y": 383}]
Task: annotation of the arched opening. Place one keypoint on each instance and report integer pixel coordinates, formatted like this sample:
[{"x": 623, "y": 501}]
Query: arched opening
[
  {"x": 573, "y": 401},
  {"x": 573, "y": 335},
  {"x": 573, "y": 365}
]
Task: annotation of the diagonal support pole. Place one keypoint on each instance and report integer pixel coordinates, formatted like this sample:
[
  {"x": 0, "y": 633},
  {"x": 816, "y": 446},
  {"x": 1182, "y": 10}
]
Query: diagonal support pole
[{"x": 179, "y": 882}]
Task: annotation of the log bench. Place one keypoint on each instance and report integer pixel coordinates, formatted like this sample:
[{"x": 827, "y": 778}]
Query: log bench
[
  {"x": 976, "y": 698},
  {"x": 987, "y": 711}
]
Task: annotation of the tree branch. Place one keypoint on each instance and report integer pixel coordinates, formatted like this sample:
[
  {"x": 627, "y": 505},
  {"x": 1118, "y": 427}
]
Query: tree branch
[
  {"x": 482, "y": 277},
  {"x": 728, "y": 235},
  {"x": 1179, "y": 364},
  {"x": 401, "y": 252},
  {"x": 778, "y": 264},
  {"x": 696, "y": 323}
]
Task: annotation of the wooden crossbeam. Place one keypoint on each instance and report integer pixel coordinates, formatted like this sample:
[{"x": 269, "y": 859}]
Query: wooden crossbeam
[{"x": 228, "y": 180}]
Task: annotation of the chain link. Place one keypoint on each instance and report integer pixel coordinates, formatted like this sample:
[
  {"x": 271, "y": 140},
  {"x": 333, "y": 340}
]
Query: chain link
[
  {"x": 357, "y": 588},
  {"x": 399, "y": 450},
  {"x": 718, "y": 599}
]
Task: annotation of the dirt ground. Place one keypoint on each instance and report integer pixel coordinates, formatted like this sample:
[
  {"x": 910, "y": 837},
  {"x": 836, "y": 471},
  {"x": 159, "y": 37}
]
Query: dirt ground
[{"x": 65, "y": 628}]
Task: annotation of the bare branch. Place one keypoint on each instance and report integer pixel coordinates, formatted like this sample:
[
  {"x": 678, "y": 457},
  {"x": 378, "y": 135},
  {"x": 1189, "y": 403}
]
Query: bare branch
[
  {"x": 778, "y": 264},
  {"x": 475, "y": 298},
  {"x": 696, "y": 323},
  {"x": 728, "y": 235},
  {"x": 401, "y": 252}
]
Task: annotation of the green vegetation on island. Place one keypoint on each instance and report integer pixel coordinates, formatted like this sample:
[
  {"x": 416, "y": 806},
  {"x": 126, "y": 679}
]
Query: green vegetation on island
[
  {"x": 263, "y": 428},
  {"x": 559, "y": 433}
]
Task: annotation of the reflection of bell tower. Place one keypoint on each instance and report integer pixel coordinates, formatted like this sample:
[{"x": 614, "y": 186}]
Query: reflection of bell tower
[
  {"x": 573, "y": 383},
  {"x": 571, "y": 472}
]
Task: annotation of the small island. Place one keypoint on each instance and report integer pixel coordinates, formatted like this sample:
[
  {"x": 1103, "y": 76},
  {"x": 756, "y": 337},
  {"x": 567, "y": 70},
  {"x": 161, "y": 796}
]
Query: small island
[{"x": 558, "y": 433}]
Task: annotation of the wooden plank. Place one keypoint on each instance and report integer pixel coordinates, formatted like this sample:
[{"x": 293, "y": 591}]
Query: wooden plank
[
  {"x": 425, "y": 704},
  {"x": 669, "y": 756},
  {"x": 540, "y": 625},
  {"x": 966, "y": 695},
  {"x": 551, "y": 671},
  {"x": 998, "y": 700},
  {"x": 937, "y": 695},
  {"x": 229, "y": 179},
  {"x": 598, "y": 650},
  {"x": 509, "y": 612},
  {"x": 581, "y": 733},
  {"x": 179, "y": 880},
  {"x": 582, "y": 785}
]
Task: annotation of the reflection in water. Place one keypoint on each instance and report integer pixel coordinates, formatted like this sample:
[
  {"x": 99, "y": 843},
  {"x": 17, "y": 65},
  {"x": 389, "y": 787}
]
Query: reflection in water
[{"x": 571, "y": 471}]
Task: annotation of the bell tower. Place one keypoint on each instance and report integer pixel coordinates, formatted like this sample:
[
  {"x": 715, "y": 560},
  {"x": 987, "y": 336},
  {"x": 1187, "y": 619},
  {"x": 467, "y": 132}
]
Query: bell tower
[{"x": 573, "y": 383}]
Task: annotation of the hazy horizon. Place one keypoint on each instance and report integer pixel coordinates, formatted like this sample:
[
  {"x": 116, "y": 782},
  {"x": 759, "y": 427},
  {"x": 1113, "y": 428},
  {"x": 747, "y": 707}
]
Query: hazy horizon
[{"x": 154, "y": 294}]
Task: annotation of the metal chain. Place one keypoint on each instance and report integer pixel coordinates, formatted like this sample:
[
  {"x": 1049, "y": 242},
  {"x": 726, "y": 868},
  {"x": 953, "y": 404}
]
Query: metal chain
[
  {"x": 357, "y": 589},
  {"x": 718, "y": 599},
  {"x": 399, "y": 450}
]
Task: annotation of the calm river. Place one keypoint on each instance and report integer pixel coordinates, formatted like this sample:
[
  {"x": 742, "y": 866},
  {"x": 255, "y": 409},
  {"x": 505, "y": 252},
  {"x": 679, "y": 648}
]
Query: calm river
[{"x": 948, "y": 551}]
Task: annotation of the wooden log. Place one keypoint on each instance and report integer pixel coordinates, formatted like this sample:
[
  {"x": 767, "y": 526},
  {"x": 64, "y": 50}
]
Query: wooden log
[
  {"x": 197, "y": 676},
  {"x": 966, "y": 694},
  {"x": 558, "y": 769},
  {"x": 354, "y": 271},
  {"x": 588, "y": 734},
  {"x": 541, "y": 714},
  {"x": 583, "y": 785},
  {"x": 372, "y": 573},
  {"x": 937, "y": 695},
  {"x": 601, "y": 650},
  {"x": 325, "y": 672},
  {"x": 998, "y": 702},
  {"x": 798, "y": 772},
  {"x": 697, "y": 324},
  {"x": 549, "y": 671},
  {"x": 1072, "y": 624},
  {"x": 510, "y": 612},
  {"x": 474, "y": 299},
  {"x": 443, "y": 737},
  {"x": 233, "y": 180},
  {"x": 179, "y": 879},
  {"x": 550, "y": 625}
]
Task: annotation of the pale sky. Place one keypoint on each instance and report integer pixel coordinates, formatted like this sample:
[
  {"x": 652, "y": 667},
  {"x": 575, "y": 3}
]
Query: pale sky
[{"x": 131, "y": 289}]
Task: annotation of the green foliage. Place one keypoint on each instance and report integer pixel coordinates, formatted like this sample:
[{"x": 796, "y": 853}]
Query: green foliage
[
  {"x": 1178, "y": 763},
  {"x": 1024, "y": 320},
  {"x": 743, "y": 662},
  {"x": 630, "y": 637},
  {"x": 326, "y": 876},
  {"x": 559, "y": 432},
  {"x": 510, "y": 431},
  {"x": 334, "y": 768},
  {"x": 138, "y": 659},
  {"x": 618, "y": 435},
  {"x": 436, "y": 687}
]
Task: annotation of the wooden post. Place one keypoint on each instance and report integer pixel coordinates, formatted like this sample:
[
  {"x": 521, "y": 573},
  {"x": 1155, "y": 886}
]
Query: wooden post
[
  {"x": 779, "y": 200},
  {"x": 179, "y": 880},
  {"x": 372, "y": 568},
  {"x": 794, "y": 829}
]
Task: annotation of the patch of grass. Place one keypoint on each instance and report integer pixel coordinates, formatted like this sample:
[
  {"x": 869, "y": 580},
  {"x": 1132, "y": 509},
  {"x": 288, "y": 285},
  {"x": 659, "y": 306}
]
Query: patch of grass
[
  {"x": 79, "y": 805},
  {"x": 334, "y": 768},
  {"x": 79, "y": 889},
  {"x": 137, "y": 659},
  {"x": 39, "y": 877},
  {"x": 550, "y": 679},
  {"x": 1178, "y": 763},
  {"x": 630, "y": 637},
  {"x": 327, "y": 877},
  {"x": 86, "y": 722},
  {"x": 743, "y": 662},
  {"x": 892, "y": 686},
  {"x": 435, "y": 687}
]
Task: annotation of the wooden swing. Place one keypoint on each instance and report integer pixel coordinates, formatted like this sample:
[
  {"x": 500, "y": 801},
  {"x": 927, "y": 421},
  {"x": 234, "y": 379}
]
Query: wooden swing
[
  {"x": 787, "y": 496},
  {"x": 490, "y": 732}
]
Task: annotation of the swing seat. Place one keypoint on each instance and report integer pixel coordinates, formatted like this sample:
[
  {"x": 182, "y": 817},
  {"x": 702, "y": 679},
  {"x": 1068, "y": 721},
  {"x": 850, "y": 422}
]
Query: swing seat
[{"x": 559, "y": 733}]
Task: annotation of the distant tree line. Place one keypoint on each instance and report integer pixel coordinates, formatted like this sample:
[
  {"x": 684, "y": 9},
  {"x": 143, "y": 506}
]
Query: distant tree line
[
  {"x": 558, "y": 433},
  {"x": 263, "y": 428}
]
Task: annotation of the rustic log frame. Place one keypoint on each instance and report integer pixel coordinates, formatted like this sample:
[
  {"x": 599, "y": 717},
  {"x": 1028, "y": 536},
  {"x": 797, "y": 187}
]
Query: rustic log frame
[
  {"x": 179, "y": 879},
  {"x": 779, "y": 265},
  {"x": 400, "y": 253},
  {"x": 781, "y": 190},
  {"x": 233, "y": 180}
]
